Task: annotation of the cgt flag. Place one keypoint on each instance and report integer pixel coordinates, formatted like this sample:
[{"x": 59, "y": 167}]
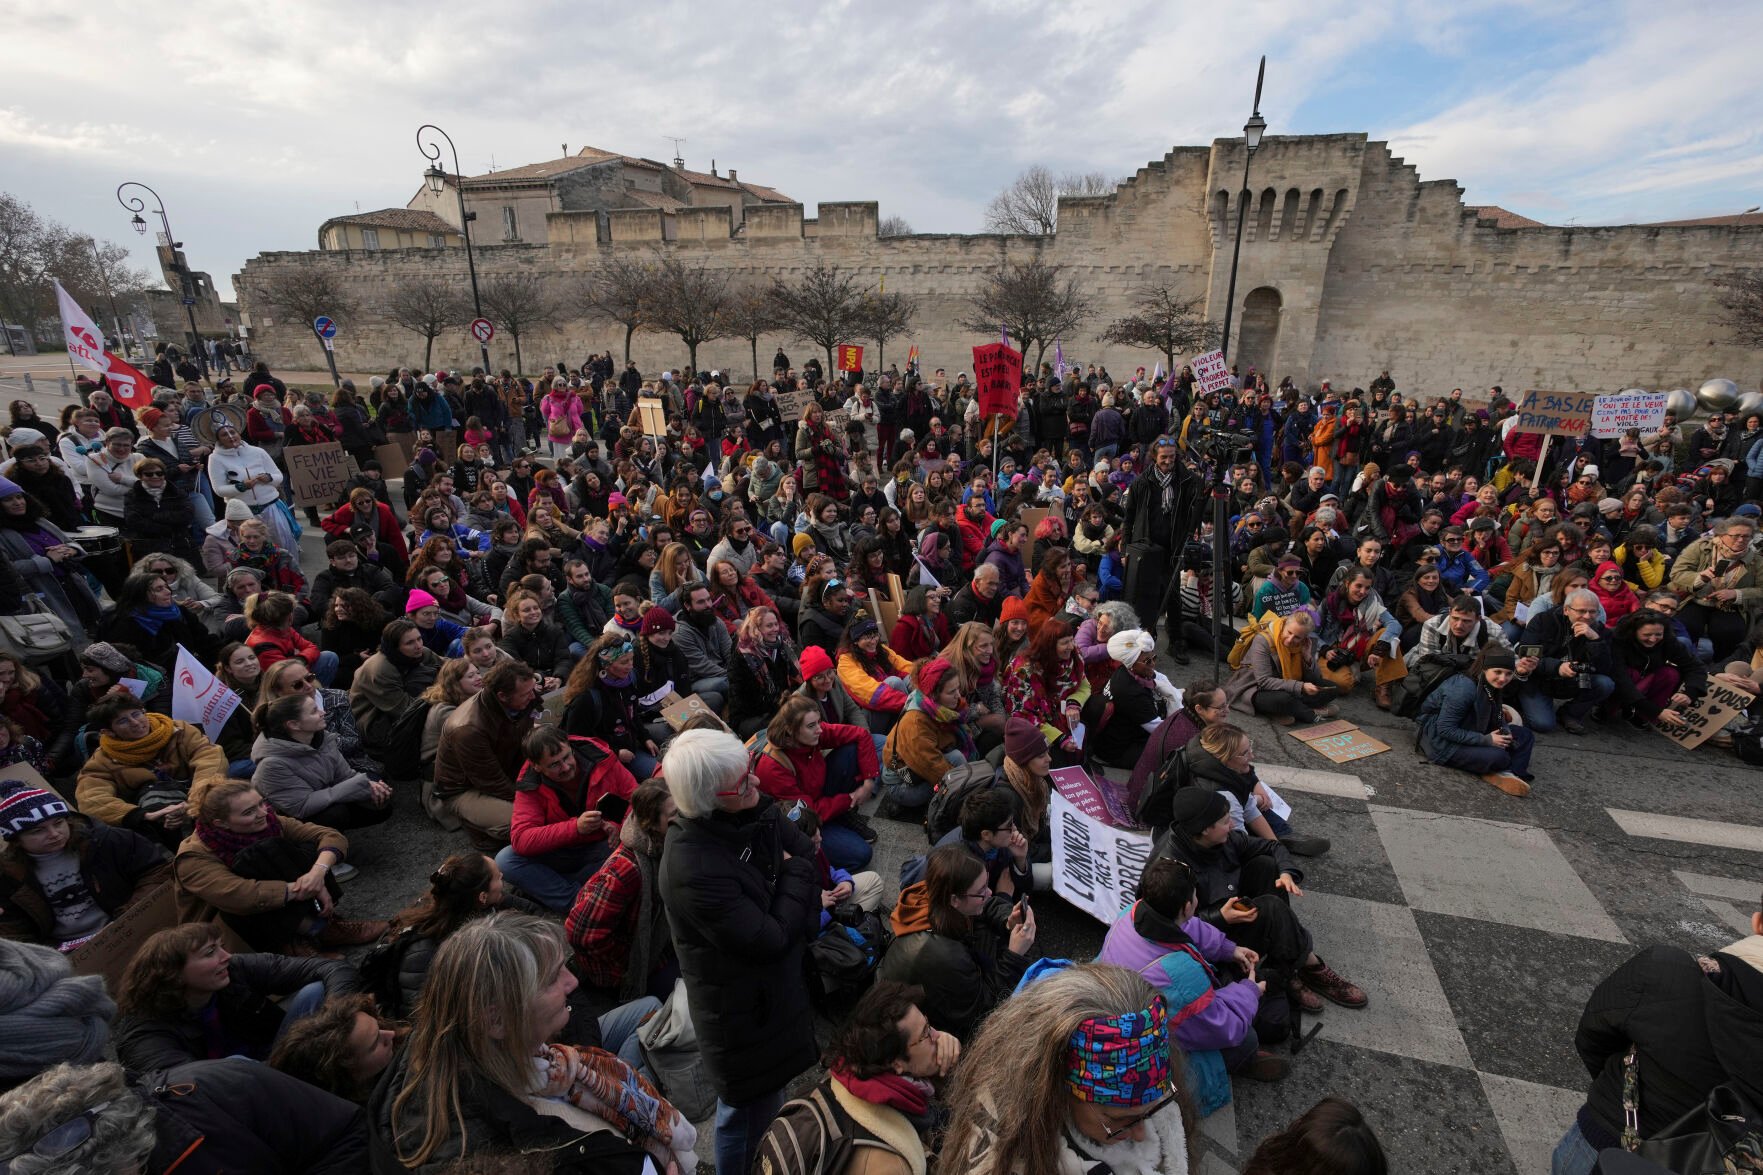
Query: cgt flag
[{"x": 85, "y": 345}]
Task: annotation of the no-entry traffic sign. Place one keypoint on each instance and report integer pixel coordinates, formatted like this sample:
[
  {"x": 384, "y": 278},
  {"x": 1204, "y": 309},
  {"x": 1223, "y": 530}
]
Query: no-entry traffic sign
[
  {"x": 483, "y": 330},
  {"x": 324, "y": 328}
]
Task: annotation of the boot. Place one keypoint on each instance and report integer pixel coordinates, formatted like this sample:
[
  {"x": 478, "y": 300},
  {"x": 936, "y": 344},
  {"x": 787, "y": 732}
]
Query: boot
[
  {"x": 1305, "y": 846},
  {"x": 352, "y": 933},
  {"x": 1508, "y": 783},
  {"x": 1326, "y": 982},
  {"x": 1266, "y": 1066},
  {"x": 1282, "y": 720},
  {"x": 1303, "y": 998},
  {"x": 1381, "y": 695},
  {"x": 859, "y": 823}
]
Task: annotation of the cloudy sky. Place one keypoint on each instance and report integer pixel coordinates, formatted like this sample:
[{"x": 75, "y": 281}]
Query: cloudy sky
[{"x": 256, "y": 121}]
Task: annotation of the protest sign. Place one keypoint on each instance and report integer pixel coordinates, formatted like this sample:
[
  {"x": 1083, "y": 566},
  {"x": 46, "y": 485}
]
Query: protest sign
[
  {"x": 1210, "y": 372},
  {"x": 394, "y": 460},
  {"x": 108, "y": 952},
  {"x": 836, "y": 420},
  {"x": 1340, "y": 741},
  {"x": 791, "y": 405},
  {"x": 317, "y": 473},
  {"x": 25, "y": 773},
  {"x": 850, "y": 357},
  {"x": 1103, "y": 798},
  {"x": 997, "y": 375},
  {"x": 1559, "y": 414},
  {"x": 677, "y": 713},
  {"x": 1096, "y": 867},
  {"x": 1614, "y": 415},
  {"x": 1708, "y": 717},
  {"x": 199, "y": 698},
  {"x": 1032, "y": 516},
  {"x": 405, "y": 441},
  {"x": 447, "y": 445},
  {"x": 652, "y": 416}
]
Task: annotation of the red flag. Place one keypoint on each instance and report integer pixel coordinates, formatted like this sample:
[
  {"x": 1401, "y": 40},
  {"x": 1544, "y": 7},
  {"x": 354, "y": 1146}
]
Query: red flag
[
  {"x": 128, "y": 386},
  {"x": 997, "y": 373}
]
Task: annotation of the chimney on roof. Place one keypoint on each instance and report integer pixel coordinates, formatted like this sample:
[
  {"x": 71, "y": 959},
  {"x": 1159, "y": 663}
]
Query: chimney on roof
[
  {"x": 713, "y": 166},
  {"x": 678, "y": 163},
  {"x": 563, "y": 149},
  {"x": 733, "y": 176}
]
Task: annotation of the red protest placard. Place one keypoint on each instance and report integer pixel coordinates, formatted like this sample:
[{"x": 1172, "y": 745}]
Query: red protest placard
[
  {"x": 997, "y": 373},
  {"x": 850, "y": 357}
]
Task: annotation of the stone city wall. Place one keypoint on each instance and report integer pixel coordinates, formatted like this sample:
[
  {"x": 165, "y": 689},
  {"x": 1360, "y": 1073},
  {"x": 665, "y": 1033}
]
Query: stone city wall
[{"x": 1350, "y": 264}]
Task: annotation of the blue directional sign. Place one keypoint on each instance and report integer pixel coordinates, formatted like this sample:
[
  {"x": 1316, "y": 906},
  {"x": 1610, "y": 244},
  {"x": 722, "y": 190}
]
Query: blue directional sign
[{"x": 324, "y": 327}]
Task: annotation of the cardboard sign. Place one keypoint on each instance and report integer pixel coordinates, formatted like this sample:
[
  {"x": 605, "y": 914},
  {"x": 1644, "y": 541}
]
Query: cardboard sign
[
  {"x": 997, "y": 377},
  {"x": 1614, "y": 415},
  {"x": 677, "y": 714},
  {"x": 1211, "y": 373},
  {"x": 108, "y": 952},
  {"x": 886, "y": 611},
  {"x": 405, "y": 441},
  {"x": 317, "y": 473},
  {"x": 791, "y": 405},
  {"x": 1560, "y": 414},
  {"x": 652, "y": 417},
  {"x": 447, "y": 445},
  {"x": 836, "y": 420},
  {"x": 1720, "y": 705},
  {"x": 1096, "y": 866},
  {"x": 25, "y": 773},
  {"x": 394, "y": 460},
  {"x": 850, "y": 357},
  {"x": 1031, "y": 517},
  {"x": 1340, "y": 741}
]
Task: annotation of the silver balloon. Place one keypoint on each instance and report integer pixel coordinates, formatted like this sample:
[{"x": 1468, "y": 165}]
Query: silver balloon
[
  {"x": 1718, "y": 395},
  {"x": 1750, "y": 402},
  {"x": 1681, "y": 404}
]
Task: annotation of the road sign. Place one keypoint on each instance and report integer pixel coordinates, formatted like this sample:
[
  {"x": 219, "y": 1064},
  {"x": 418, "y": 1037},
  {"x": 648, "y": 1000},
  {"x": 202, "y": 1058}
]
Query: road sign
[
  {"x": 483, "y": 330},
  {"x": 324, "y": 328}
]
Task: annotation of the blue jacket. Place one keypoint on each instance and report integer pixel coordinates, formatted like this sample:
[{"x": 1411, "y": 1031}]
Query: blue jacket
[
  {"x": 1459, "y": 713},
  {"x": 434, "y": 413},
  {"x": 1111, "y": 577},
  {"x": 1754, "y": 461},
  {"x": 1462, "y": 571}
]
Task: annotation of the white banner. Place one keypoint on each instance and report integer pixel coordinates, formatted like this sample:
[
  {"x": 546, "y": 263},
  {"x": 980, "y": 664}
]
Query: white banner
[
  {"x": 1614, "y": 415},
  {"x": 1096, "y": 866},
  {"x": 1210, "y": 372},
  {"x": 199, "y": 698},
  {"x": 85, "y": 342}
]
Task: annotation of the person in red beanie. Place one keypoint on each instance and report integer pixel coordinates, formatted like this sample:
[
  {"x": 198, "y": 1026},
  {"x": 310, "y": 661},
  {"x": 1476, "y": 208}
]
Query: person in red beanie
[
  {"x": 1012, "y": 629},
  {"x": 821, "y": 685},
  {"x": 661, "y": 668}
]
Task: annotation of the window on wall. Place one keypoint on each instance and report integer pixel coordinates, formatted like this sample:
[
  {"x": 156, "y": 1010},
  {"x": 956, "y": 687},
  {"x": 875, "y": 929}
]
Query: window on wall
[
  {"x": 436, "y": 240},
  {"x": 370, "y": 238},
  {"x": 510, "y": 226}
]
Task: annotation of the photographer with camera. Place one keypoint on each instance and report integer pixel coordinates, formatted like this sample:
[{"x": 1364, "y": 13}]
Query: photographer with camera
[
  {"x": 1574, "y": 665},
  {"x": 1161, "y": 509},
  {"x": 1359, "y": 632}
]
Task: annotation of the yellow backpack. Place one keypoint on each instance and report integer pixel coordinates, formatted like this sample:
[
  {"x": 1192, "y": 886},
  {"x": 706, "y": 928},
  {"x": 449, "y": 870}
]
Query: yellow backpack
[{"x": 1246, "y": 636}]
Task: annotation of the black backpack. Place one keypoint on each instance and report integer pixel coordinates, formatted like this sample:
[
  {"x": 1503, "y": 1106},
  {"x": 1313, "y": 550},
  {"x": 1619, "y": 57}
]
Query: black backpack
[
  {"x": 378, "y": 973},
  {"x": 944, "y": 811}
]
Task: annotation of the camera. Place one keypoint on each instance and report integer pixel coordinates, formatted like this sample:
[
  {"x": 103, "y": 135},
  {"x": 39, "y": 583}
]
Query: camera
[{"x": 1582, "y": 675}]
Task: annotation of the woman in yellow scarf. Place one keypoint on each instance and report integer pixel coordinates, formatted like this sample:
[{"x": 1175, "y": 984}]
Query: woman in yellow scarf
[{"x": 144, "y": 757}]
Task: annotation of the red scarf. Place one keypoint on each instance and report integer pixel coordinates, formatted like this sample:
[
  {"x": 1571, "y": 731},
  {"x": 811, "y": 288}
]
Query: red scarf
[
  {"x": 908, "y": 1095},
  {"x": 227, "y": 844}
]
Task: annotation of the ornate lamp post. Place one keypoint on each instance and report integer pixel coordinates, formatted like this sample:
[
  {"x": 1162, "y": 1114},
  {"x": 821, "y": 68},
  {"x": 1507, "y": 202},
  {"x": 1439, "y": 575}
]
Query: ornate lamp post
[
  {"x": 1252, "y": 132},
  {"x": 437, "y": 181},
  {"x": 137, "y": 205}
]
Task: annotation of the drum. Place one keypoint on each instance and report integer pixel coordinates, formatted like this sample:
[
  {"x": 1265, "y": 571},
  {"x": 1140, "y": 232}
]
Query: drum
[{"x": 97, "y": 540}]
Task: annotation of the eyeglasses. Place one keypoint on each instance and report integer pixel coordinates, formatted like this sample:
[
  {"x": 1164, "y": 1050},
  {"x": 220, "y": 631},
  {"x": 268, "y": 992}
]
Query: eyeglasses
[
  {"x": 64, "y": 1139},
  {"x": 749, "y": 780},
  {"x": 1110, "y": 1133},
  {"x": 984, "y": 892},
  {"x": 162, "y": 570},
  {"x": 153, "y": 473}
]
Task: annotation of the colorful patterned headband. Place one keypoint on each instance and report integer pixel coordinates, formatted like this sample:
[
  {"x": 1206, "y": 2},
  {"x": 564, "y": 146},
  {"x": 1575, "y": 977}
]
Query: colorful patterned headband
[
  {"x": 612, "y": 653},
  {"x": 1121, "y": 1060}
]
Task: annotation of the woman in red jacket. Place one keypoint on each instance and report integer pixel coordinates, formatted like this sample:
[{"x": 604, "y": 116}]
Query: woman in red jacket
[
  {"x": 363, "y": 505},
  {"x": 922, "y": 629},
  {"x": 830, "y": 767},
  {"x": 274, "y": 638},
  {"x": 558, "y": 835}
]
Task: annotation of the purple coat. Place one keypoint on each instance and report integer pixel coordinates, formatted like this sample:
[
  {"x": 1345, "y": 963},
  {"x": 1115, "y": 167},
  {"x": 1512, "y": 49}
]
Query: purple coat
[{"x": 1216, "y": 1017}]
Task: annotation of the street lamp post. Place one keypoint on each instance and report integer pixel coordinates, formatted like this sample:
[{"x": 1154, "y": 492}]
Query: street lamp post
[
  {"x": 136, "y": 205},
  {"x": 110, "y": 295},
  {"x": 1252, "y": 132},
  {"x": 437, "y": 181}
]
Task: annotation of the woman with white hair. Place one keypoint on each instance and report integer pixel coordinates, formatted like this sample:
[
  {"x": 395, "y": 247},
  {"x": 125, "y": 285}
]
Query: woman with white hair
[
  {"x": 1093, "y": 633},
  {"x": 1135, "y": 700},
  {"x": 743, "y": 901},
  {"x": 229, "y": 1115}
]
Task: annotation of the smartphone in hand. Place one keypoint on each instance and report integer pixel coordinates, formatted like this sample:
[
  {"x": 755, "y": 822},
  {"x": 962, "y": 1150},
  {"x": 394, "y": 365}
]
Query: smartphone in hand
[{"x": 612, "y": 808}]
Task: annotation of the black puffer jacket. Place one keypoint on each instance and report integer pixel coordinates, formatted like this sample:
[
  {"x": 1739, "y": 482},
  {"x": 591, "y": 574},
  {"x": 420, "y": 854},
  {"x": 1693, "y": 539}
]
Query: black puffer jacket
[
  {"x": 219, "y": 1117},
  {"x": 1218, "y": 871},
  {"x": 1692, "y": 1031},
  {"x": 741, "y": 917},
  {"x": 544, "y": 650},
  {"x": 248, "y": 1016}
]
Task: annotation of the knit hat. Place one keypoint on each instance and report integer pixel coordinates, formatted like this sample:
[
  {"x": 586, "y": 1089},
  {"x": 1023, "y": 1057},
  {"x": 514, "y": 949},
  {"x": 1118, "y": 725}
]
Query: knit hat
[
  {"x": 8, "y": 488},
  {"x": 427, "y": 456},
  {"x": 931, "y": 674},
  {"x": 1609, "y": 505},
  {"x": 814, "y": 660},
  {"x": 1195, "y": 809},
  {"x": 1589, "y": 471},
  {"x": 615, "y": 499},
  {"x": 148, "y": 417},
  {"x": 1494, "y": 657},
  {"x": 418, "y": 600},
  {"x": 1748, "y": 510},
  {"x": 657, "y": 619},
  {"x": 105, "y": 656},
  {"x": 1014, "y": 609},
  {"x": 18, "y": 438},
  {"x": 1128, "y": 646},
  {"x": 47, "y": 1014},
  {"x": 26, "y": 807},
  {"x": 863, "y": 625},
  {"x": 238, "y": 511},
  {"x": 1024, "y": 739},
  {"x": 998, "y": 524},
  {"x": 801, "y": 543},
  {"x": 245, "y": 572}
]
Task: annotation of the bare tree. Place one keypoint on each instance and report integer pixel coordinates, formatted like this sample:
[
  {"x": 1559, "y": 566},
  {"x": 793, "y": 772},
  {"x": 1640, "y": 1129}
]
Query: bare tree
[
  {"x": 884, "y": 317},
  {"x": 520, "y": 303},
  {"x": 822, "y": 305},
  {"x": 305, "y": 294},
  {"x": 427, "y": 306},
  {"x": 1741, "y": 305},
  {"x": 1034, "y": 303},
  {"x": 1030, "y": 205},
  {"x": 748, "y": 315},
  {"x": 35, "y": 250},
  {"x": 893, "y": 226},
  {"x": 1163, "y": 320},
  {"x": 620, "y": 291},
  {"x": 690, "y": 301}
]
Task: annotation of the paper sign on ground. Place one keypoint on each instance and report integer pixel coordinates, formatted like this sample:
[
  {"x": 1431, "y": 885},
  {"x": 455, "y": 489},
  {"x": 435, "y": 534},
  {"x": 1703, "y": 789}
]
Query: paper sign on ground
[
  {"x": 1340, "y": 741},
  {"x": 1096, "y": 867},
  {"x": 199, "y": 698},
  {"x": 1614, "y": 415},
  {"x": 1211, "y": 373},
  {"x": 1561, "y": 414},
  {"x": 1702, "y": 721},
  {"x": 317, "y": 473}
]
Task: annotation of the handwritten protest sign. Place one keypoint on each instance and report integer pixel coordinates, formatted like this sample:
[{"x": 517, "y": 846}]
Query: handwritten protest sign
[
  {"x": 1720, "y": 705},
  {"x": 681, "y": 711},
  {"x": 199, "y": 698},
  {"x": 791, "y": 405},
  {"x": 1614, "y": 415},
  {"x": 317, "y": 473},
  {"x": 1560, "y": 414},
  {"x": 997, "y": 376},
  {"x": 1211, "y": 374},
  {"x": 1096, "y": 866},
  {"x": 1340, "y": 741}
]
